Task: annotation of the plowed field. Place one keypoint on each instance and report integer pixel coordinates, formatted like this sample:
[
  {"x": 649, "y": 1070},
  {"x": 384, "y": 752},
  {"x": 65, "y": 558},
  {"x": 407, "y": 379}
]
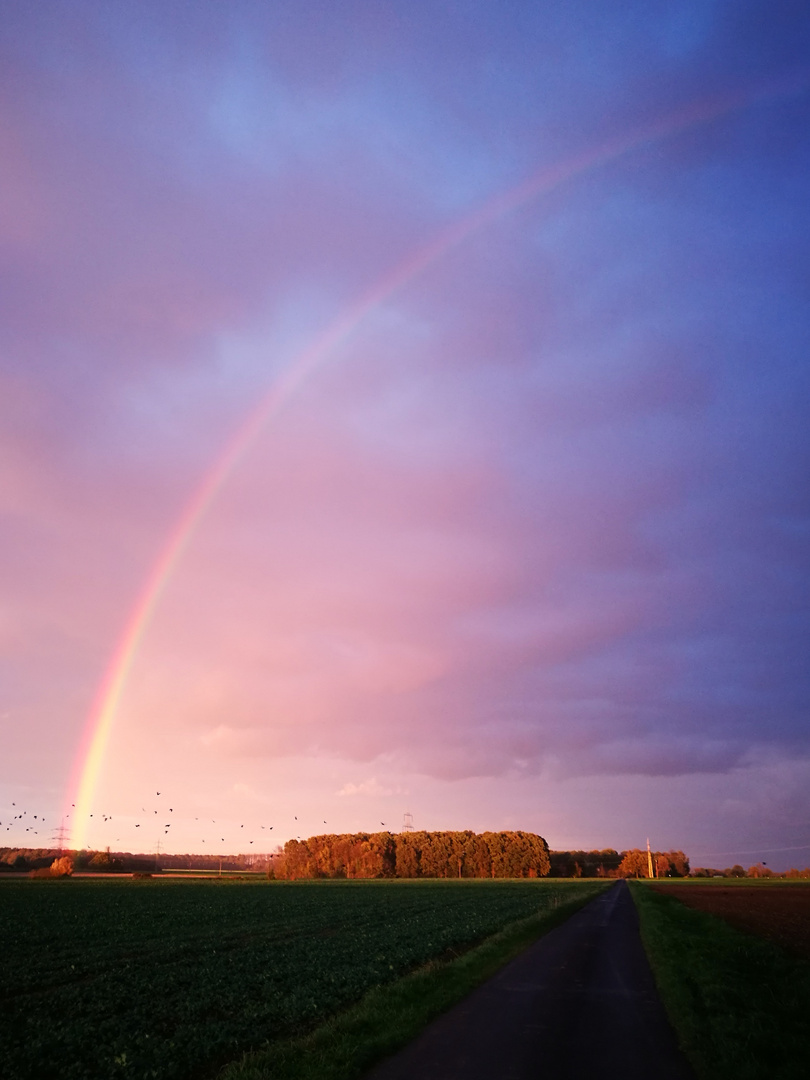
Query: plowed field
[{"x": 780, "y": 913}]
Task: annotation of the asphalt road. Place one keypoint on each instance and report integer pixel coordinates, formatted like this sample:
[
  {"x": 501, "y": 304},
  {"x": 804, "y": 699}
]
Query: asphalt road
[{"x": 580, "y": 1002}]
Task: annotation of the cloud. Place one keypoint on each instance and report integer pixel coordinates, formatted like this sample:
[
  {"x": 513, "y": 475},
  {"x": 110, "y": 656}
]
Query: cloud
[
  {"x": 542, "y": 511},
  {"x": 371, "y": 788}
]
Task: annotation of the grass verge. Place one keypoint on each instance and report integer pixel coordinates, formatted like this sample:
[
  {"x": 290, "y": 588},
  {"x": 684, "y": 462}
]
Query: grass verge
[
  {"x": 740, "y": 1005},
  {"x": 388, "y": 1017}
]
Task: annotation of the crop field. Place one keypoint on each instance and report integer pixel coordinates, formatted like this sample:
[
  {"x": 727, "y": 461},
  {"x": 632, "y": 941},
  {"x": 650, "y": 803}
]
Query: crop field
[
  {"x": 171, "y": 979},
  {"x": 739, "y": 1002},
  {"x": 779, "y": 912}
]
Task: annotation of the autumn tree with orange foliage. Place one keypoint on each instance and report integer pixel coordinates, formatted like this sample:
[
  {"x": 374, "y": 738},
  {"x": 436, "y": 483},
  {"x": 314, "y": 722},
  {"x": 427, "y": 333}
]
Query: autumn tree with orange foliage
[
  {"x": 667, "y": 864},
  {"x": 634, "y": 864},
  {"x": 417, "y": 854}
]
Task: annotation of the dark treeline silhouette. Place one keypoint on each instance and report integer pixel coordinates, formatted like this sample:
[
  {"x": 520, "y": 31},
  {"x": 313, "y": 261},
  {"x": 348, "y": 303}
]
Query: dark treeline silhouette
[
  {"x": 585, "y": 863},
  {"x": 617, "y": 864},
  {"x": 416, "y": 854},
  {"x": 22, "y": 859}
]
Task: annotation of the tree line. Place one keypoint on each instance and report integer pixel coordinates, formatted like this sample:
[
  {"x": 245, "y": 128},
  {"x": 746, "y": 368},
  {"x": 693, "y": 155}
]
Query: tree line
[
  {"x": 609, "y": 863},
  {"x": 416, "y": 855},
  {"x": 403, "y": 855},
  {"x": 22, "y": 859}
]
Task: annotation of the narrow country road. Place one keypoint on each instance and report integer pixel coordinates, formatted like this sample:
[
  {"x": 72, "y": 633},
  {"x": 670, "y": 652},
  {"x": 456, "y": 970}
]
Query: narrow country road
[{"x": 580, "y": 1002}]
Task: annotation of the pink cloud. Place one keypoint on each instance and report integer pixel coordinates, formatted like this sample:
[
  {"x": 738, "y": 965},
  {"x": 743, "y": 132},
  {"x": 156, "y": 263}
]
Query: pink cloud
[{"x": 541, "y": 512}]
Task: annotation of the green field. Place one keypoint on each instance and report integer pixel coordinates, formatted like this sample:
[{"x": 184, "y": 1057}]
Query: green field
[
  {"x": 740, "y": 1004},
  {"x": 171, "y": 979}
]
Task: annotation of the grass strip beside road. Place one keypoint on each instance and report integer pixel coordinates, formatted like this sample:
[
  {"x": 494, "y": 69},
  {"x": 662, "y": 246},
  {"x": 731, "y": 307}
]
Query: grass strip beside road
[
  {"x": 390, "y": 1016},
  {"x": 740, "y": 1005}
]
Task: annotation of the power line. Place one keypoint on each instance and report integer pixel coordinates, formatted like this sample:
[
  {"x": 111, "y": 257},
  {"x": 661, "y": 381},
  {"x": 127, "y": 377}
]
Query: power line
[{"x": 751, "y": 851}]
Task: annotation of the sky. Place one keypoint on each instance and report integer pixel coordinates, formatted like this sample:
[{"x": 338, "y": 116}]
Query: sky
[{"x": 403, "y": 408}]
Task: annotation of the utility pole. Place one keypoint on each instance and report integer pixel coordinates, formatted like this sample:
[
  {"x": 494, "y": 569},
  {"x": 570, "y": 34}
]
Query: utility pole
[
  {"x": 157, "y": 855},
  {"x": 649, "y": 859}
]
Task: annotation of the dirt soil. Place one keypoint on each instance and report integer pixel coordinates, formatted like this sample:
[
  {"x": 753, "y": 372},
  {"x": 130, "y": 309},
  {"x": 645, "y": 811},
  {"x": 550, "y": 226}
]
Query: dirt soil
[{"x": 780, "y": 913}]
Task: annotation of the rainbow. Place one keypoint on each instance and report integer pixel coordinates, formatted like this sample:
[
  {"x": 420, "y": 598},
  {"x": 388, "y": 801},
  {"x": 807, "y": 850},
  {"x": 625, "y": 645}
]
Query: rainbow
[{"x": 93, "y": 744}]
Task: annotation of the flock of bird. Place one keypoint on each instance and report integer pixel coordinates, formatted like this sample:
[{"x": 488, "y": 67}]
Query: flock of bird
[{"x": 19, "y": 817}]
